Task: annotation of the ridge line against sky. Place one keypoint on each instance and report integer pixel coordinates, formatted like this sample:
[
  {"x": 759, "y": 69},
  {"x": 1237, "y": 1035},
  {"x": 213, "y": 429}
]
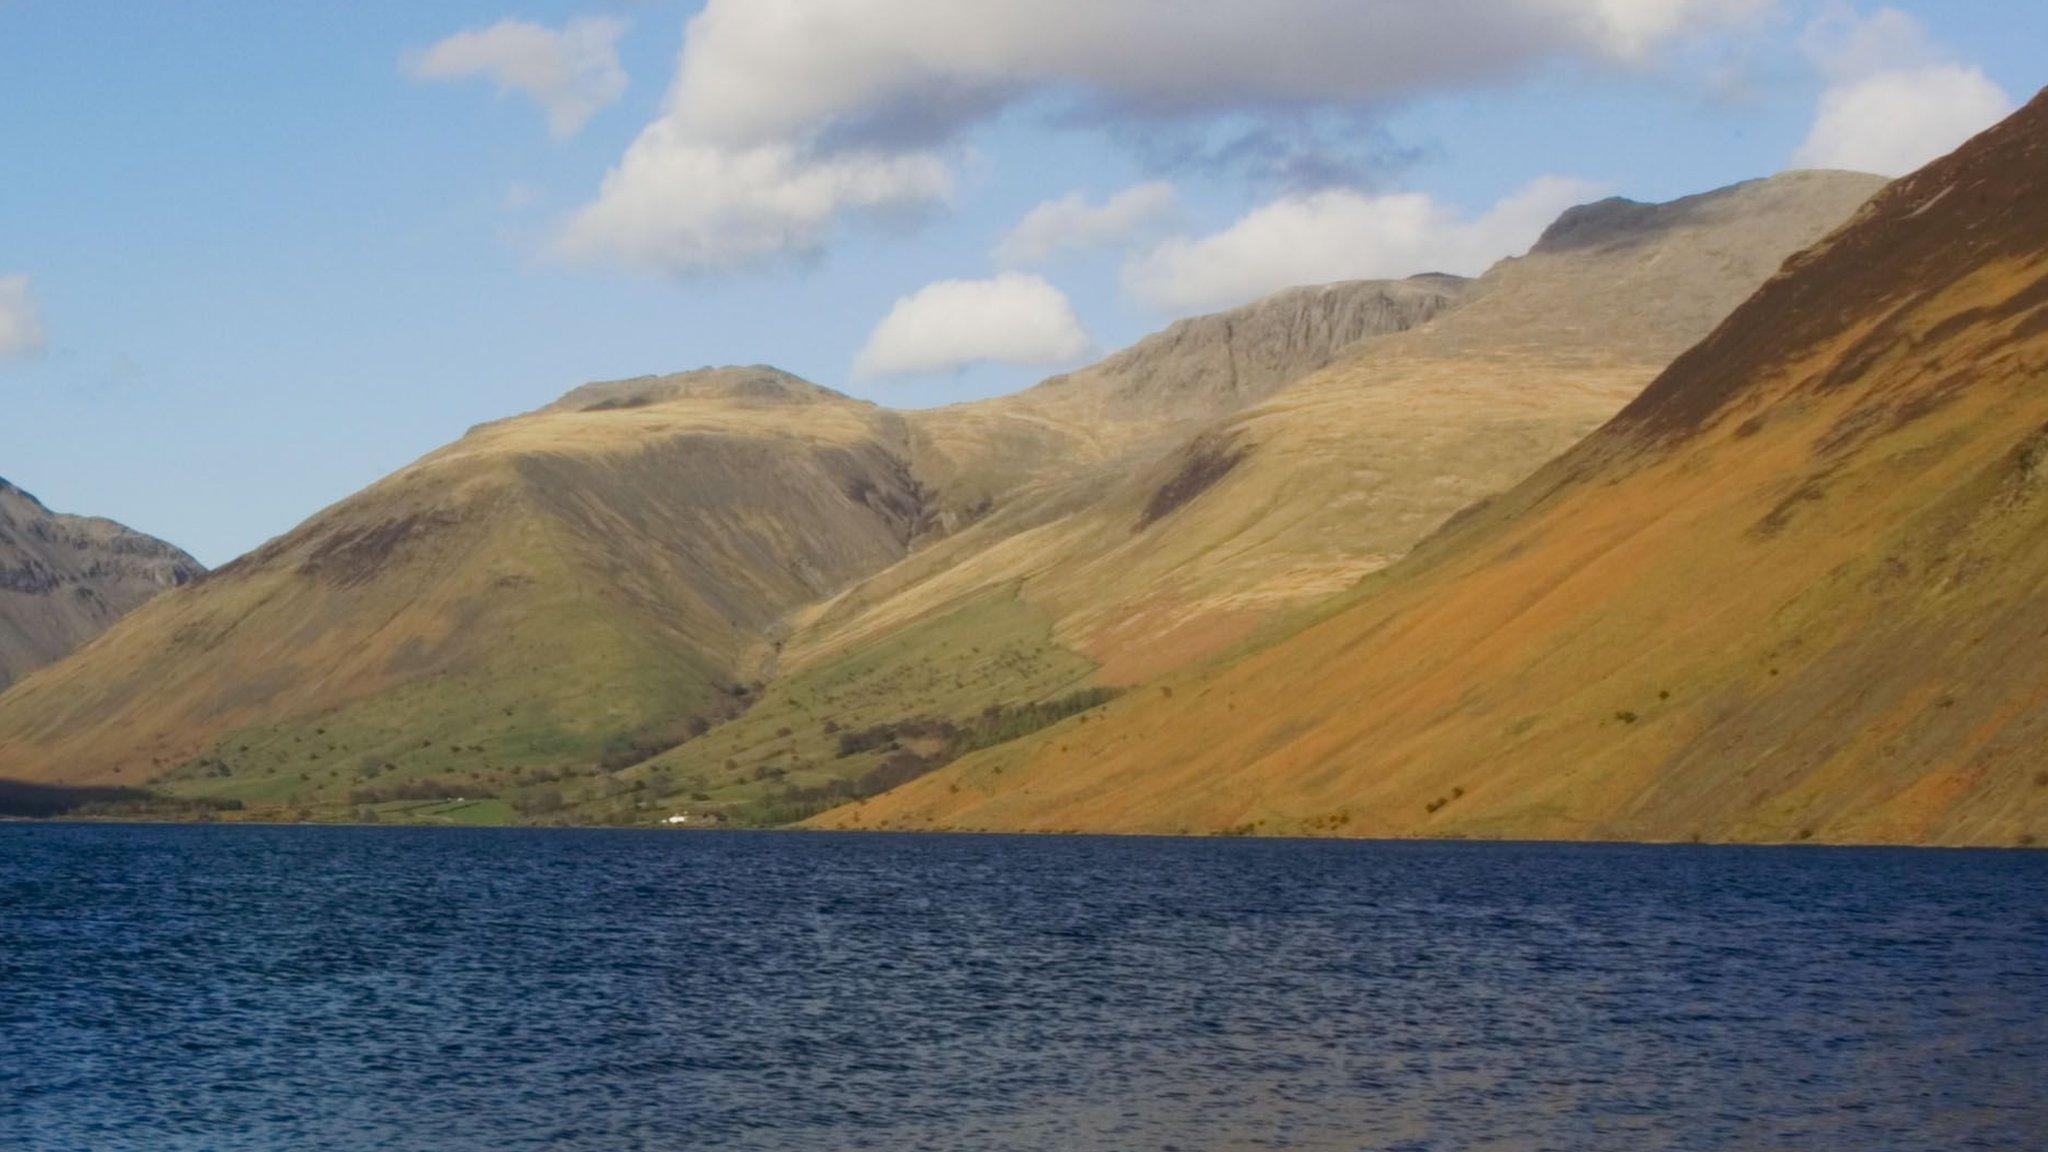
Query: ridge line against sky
[{"x": 272, "y": 254}]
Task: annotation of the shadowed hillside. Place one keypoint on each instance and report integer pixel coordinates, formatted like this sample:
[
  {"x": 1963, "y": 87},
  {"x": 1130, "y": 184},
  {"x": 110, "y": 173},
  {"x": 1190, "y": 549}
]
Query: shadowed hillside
[{"x": 1797, "y": 590}]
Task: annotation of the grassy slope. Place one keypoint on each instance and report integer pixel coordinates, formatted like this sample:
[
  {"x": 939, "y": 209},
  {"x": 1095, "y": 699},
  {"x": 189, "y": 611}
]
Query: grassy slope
[
  {"x": 994, "y": 649},
  {"x": 506, "y": 605},
  {"x": 1796, "y": 591}
]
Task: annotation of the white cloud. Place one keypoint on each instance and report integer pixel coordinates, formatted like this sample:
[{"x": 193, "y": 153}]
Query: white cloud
[
  {"x": 1341, "y": 234},
  {"x": 572, "y": 73},
  {"x": 1071, "y": 223},
  {"x": 1014, "y": 318},
  {"x": 685, "y": 208},
  {"x": 830, "y": 106},
  {"x": 1845, "y": 45},
  {"x": 1894, "y": 122},
  {"x": 21, "y": 324},
  {"x": 764, "y": 69},
  {"x": 1895, "y": 100},
  {"x": 1633, "y": 30}
]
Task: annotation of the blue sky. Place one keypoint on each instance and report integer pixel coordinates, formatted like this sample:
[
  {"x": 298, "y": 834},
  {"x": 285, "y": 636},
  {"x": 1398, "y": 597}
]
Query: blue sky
[{"x": 260, "y": 254}]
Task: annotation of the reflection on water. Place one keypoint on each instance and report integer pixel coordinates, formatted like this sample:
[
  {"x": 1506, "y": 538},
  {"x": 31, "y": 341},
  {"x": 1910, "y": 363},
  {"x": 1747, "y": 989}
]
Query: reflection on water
[{"x": 310, "y": 988}]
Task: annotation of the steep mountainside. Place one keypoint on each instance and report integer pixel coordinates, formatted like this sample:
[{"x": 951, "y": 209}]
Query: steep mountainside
[
  {"x": 1140, "y": 401},
  {"x": 64, "y": 579},
  {"x": 1797, "y": 590}
]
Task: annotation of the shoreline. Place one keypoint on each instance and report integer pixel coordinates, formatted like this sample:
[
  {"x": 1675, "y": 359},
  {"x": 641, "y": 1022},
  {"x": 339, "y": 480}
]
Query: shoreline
[{"x": 1024, "y": 833}]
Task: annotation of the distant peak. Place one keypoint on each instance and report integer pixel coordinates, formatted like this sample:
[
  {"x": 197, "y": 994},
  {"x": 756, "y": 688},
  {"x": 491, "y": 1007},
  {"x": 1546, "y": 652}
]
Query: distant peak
[
  {"x": 1439, "y": 280},
  {"x": 1620, "y": 221},
  {"x": 21, "y": 495},
  {"x": 1205, "y": 365},
  {"x": 1280, "y": 316},
  {"x": 753, "y": 383},
  {"x": 1585, "y": 225}
]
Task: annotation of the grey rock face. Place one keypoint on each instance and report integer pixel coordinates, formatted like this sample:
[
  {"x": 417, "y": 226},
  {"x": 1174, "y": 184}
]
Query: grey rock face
[
  {"x": 64, "y": 579},
  {"x": 1209, "y": 365}
]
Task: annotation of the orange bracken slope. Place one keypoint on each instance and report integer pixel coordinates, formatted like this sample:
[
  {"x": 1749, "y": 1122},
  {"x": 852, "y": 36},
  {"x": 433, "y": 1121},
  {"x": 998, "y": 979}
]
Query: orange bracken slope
[{"x": 1797, "y": 590}]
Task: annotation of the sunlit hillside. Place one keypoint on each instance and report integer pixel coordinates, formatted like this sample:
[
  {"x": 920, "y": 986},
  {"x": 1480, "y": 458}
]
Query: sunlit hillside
[{"x": 1795, "y": 591}]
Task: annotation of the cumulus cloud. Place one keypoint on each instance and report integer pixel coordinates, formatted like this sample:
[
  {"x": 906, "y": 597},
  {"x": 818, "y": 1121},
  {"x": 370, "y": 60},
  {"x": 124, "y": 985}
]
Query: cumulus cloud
[
  {"x": 676, "y": 206},
  {"x": 1895, "y": 100},
  {"x": 836, "y": 106},
  {"x": 754, "y": 70},
  {"x": 1632, "y": 30},
  {"x": 21, "y": 324},
  {"x": 1014, "y": 318},
  {"x": 572, "y": 72},
  {"x": 1340, "y": 234},
  {"x": 1071, "y": 223},
  {"x": 1847, "y": 45},
  {"x": 1894, "y": 122}
]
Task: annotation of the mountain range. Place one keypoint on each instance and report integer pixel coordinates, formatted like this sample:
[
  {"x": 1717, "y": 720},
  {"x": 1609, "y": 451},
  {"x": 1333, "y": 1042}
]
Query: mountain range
[{"x": 1564, "y": 550}]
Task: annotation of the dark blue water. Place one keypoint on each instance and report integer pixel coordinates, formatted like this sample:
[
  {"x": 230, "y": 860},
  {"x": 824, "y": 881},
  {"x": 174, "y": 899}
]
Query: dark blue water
[{"x": 308, "y": 988}]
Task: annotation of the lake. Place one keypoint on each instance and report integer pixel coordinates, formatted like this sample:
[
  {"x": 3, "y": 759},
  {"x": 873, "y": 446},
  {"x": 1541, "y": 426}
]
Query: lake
[{"x": 228, "y": 988}]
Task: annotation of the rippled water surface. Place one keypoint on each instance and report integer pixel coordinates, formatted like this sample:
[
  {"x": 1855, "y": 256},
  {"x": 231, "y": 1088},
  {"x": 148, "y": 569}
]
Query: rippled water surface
[{"x": 316, "y": 988}]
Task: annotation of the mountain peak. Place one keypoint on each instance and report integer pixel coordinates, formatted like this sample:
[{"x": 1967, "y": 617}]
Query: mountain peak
[
  {"x": 1619, "y": 222},
  {"x": 1206, "y": 365},
  {"x": 758, "y": 384},
  {"x": 10, "y": 494},
  {"x": 1619, "y": 279}
]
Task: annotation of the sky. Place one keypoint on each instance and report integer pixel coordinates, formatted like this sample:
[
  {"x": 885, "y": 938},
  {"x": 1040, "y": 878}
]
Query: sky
[{"x": 255, "y": 255}]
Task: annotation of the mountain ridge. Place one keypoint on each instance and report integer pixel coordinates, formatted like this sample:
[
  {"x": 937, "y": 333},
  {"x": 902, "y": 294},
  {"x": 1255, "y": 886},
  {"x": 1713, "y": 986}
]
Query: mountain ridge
[
  {"x": 685, "y": 589},
  {"x": 1336, "y": 474},
  {"x": 1792, "y": 592}
]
